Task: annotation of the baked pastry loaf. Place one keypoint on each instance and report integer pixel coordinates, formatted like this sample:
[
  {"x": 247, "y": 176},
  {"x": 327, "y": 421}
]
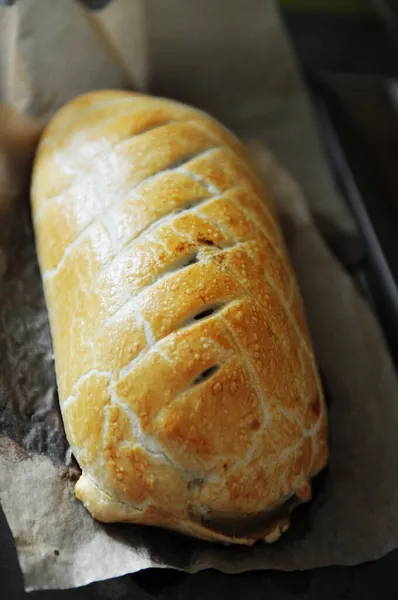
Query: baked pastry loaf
[{"x": 187, "y": 382}]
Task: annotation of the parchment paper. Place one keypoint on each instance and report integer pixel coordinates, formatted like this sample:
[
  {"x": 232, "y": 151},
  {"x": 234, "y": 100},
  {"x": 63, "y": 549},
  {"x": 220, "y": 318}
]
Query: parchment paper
[{"x": 237, "y": 63}]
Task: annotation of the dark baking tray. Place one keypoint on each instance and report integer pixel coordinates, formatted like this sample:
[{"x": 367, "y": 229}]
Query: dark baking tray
[{"x": 359, "y": 127}]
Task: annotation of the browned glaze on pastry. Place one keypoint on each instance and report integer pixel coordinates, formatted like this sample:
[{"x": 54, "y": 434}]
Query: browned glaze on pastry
[{"x": 187, "y": 381}]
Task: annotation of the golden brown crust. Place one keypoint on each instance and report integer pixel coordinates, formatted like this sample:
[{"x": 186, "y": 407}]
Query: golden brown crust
[{"x": 186, "y": 376}]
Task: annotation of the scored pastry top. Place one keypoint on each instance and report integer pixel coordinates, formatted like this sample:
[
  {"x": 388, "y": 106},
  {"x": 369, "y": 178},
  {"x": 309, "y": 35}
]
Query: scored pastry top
[{"x": 187, "y": 381}]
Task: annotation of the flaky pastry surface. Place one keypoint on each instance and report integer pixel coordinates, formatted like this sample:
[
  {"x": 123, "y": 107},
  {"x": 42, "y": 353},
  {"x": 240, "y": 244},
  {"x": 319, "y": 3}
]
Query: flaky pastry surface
[{"x": 187, "y": 381}]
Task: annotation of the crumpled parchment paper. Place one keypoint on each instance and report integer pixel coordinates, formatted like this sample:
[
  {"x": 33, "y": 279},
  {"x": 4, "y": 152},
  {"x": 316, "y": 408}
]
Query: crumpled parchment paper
[{"x": 353, "y": 517}]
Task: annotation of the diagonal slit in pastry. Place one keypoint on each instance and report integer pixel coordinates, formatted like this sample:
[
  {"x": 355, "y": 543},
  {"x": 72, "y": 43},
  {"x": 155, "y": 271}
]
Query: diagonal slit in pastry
[
  {"x": 208, "y": 311},
  {"x": 205, "y": 375}
]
